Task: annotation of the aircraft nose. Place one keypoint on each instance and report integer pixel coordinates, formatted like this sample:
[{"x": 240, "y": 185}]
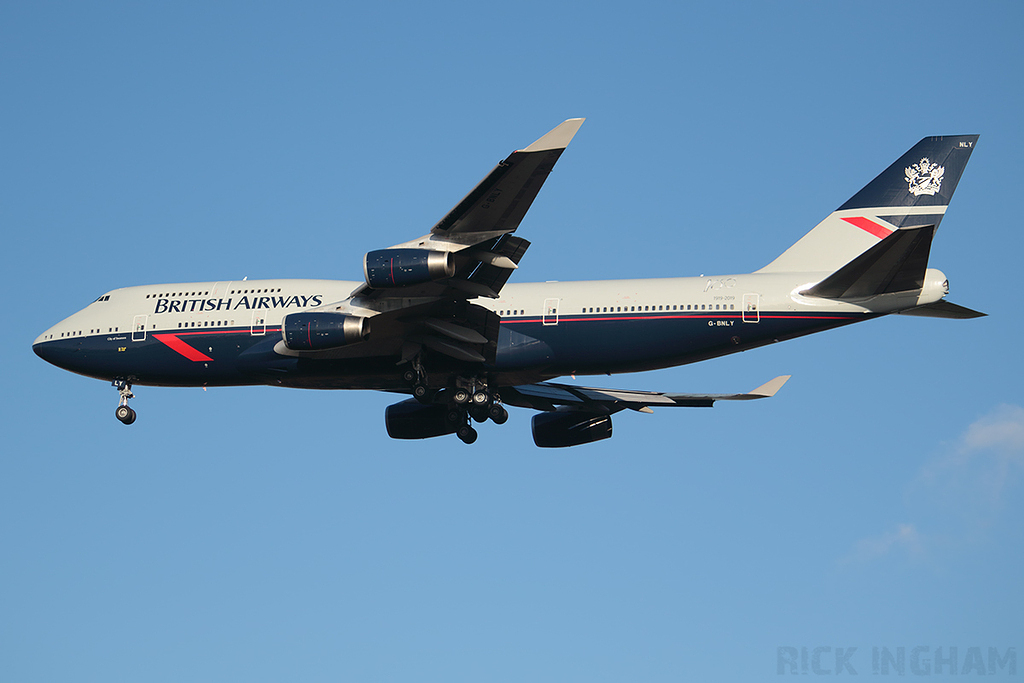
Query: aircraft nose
[
  {"x": 46, "y": 351},
  {"x": 57, "y": 352}
]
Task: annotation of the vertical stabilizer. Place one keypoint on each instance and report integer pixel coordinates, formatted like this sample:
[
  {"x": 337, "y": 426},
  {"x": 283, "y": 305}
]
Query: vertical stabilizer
[{"x": 913, "y": 192}]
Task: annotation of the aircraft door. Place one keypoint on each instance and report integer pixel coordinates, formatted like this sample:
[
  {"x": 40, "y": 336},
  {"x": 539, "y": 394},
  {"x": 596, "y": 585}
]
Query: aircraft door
[
  {"x": 751, "y": 308},
  {"x": 259, "y": 324},
  {"x": 139, "y": 327},
  {"x": 550, "y": 316}
]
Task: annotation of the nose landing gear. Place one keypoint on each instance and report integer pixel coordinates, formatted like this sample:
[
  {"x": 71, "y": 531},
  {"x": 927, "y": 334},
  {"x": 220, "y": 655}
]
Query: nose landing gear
[{"x": 124, "y": 413}]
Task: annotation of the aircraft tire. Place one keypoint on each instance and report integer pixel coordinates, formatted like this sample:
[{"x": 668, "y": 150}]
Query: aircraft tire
[
  {"x": 125, "y": 414},
  {"x": 467, "y": 434},
  {"x": 498, "y": 414}
]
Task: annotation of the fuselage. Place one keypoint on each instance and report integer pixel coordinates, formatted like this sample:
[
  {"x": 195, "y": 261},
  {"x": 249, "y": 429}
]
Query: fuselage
[{"x": 226, "y": 333}]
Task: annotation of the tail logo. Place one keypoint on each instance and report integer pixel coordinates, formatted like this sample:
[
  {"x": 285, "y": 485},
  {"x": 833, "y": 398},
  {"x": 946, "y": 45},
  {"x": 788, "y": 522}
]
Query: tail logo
[{"x": 924, "y": 177}]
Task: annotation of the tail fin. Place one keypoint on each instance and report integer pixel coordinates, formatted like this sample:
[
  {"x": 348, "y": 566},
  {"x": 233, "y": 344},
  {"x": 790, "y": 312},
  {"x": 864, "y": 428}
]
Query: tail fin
[{"x": 913, "y": 192}]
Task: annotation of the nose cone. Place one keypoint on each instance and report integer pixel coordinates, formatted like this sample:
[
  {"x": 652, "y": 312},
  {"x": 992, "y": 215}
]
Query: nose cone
[
  {"x": 57, "y": 346},
  {"x": 59, "y": 352}
]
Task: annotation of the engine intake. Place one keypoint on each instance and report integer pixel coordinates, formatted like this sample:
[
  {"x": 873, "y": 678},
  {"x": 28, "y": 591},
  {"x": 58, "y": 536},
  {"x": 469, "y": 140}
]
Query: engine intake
[
  {"x": 412, "y": 420},
  {"x": 400, "y": 267},
  {"x": 319, "y": 331},
  {"x": 572, "y": 428}
]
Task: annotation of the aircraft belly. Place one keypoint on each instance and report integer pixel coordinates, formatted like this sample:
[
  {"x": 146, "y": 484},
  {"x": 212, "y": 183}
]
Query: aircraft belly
[{"x": 597, "y": 345}]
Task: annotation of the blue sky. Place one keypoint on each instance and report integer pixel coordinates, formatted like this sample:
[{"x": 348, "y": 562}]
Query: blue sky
[{"x": 264, "y": 535}]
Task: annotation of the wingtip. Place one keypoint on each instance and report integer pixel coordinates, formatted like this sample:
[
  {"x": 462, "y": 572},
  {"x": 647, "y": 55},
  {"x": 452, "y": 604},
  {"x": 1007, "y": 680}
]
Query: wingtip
[
  {"x": 770, "y": 388},
  {"x": 558, "y": 137}
]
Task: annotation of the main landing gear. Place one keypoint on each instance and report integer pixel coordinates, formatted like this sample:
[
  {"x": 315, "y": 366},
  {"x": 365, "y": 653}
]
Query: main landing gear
[
  {"x": 124, "y": 413},
  {"x": 472, "y": 399},
  {"x": 417, "y": 377},
  {"x": 467, "y": 400}
]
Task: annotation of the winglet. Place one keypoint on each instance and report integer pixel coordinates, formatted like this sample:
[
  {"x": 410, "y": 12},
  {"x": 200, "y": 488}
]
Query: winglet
[
  {"x": 770, "y": 388},
  {"x": 558, "y": 137}
]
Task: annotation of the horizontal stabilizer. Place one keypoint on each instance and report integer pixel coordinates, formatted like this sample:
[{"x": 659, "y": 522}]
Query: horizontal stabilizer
[
  {"x": 944, "y": 309},
  {"x": 896, "y": 264}
]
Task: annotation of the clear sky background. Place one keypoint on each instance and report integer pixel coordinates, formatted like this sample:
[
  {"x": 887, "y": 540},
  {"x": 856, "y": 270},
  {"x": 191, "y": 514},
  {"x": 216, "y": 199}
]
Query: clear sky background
[{"x": 259, "y": 534}]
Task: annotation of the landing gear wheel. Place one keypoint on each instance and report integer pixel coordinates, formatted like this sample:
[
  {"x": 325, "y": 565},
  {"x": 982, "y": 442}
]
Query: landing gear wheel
[
  {"x": 409, "y": 375},
  {"x": 481, "y": 398},
  {"x": 419, "y": 391},
  {"x": 498, "y": 414},
  {"x": 467, "y": 434},
  {"x": 460, "y": 396},
  {"x": 478, "y": 414},
  {"x": 125, "y": 414}
]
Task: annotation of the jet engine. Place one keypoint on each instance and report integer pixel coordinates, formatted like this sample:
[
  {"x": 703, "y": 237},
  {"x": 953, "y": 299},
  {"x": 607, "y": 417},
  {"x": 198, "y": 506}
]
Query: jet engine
[
  {"x": 570, "y": 428},
  {"x": 400, "y": 267},
  {"x": 317, "y": 331},
  {"x": 412, "y": 420}
]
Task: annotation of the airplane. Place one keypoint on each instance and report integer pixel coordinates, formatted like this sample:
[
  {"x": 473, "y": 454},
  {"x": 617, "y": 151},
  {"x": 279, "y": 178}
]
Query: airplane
[{"x": 434, "y": 319}]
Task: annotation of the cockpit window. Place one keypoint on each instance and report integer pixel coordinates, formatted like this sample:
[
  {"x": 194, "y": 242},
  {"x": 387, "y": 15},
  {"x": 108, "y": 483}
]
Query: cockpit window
[{"x": 105, "y": 297}]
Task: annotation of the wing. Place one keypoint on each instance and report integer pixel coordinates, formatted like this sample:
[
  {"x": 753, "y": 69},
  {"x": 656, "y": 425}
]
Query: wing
[
  {"x": 498, "y": 203},
  {"x": 417, "y": 294},
  {"x": 478, "y": 230},
  {"x": 549, "y": 396}
]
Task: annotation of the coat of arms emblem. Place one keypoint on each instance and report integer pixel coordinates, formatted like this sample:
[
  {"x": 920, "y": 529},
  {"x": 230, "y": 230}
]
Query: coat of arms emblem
[{"x": 924, "y": 177}]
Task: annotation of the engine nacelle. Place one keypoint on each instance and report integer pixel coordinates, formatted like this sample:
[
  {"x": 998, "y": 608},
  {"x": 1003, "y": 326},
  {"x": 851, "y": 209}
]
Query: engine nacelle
[
  {"x": 412, "y": 420},
  {"x": 400, "y": 267},
  {"x": 315, "y": 331},
  {"x": 570, "y": 428}
]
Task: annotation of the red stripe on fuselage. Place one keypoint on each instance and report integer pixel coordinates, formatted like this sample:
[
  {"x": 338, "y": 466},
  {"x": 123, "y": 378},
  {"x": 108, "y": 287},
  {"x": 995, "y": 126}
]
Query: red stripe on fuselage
[
  {"x": 181, "y": 347},
  {"x": 879, "y": 231}
]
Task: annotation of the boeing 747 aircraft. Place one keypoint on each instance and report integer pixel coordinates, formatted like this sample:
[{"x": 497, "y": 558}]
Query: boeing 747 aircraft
[{"x": 433, "y": 318}]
